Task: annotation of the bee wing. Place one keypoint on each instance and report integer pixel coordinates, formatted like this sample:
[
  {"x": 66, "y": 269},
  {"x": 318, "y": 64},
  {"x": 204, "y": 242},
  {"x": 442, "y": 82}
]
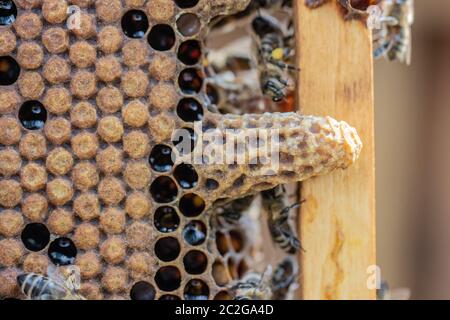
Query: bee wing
[
  {"x": 410, "y": 12},
  {"x": 74, "y": 279},
  {"x": 54, "y": 274}
]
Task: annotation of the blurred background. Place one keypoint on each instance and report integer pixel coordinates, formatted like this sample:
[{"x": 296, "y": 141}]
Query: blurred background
[{"x": 412, "y": 108}]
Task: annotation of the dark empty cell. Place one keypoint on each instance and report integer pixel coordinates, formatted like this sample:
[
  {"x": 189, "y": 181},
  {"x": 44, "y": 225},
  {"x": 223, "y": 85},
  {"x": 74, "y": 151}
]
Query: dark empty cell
[
  {"x": 9, "y": 71},
  {"x": 142, "y": 290},
  {"x": 35, "y": 236},
  {"x": 167, "y": 249},
  {"x": 221, "y": 243},
  {"x": 191, "y": 205},
  {"x": 186, "y": 176},
  {"x": 190, "y": 81},
  {"x": 237, "y": 240},
  {"x": 168, "y": 278},
  {"x": 194, "y": 233},
  {"x": 190, "y": 52},
  {"x": 188, "y": 24},
  {"x": 195, "y": 262},
  {"x": 62, "y": 251},
  {"x": 164, "y": 189},
  {"x": 135, "y": 24},
  {"x": 161, "y": 158},
  {"x": 196, "y": 289},
  {"x": 212, "y": 94},
  {"x": 190, "y": 110},
  {"x": 169, "y": 297},
  {"x": 161, "y": 37},
  {"x": 242, "y": 268},
  {"x": 211, "y": 184},
  {"x": 223, "y": 295},
  {"x": 32, "y": 115},
  {"x": 166, "y": 219},
  {"x": 184, "y": 4},
  {"x": 8, "y": 12},
  {"x": 184, "y": 140}
]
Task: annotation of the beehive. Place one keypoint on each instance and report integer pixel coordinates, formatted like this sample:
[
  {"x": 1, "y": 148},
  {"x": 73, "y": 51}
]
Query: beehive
[{"x": 88, "y": 120}]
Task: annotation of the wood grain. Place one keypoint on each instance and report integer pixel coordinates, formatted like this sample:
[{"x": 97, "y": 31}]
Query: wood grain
[{"x": 337, "y": 221}]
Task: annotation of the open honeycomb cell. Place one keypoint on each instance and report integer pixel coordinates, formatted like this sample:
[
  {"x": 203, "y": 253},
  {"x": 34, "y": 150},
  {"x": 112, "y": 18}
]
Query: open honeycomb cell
[{"x": 91, "y": 170}]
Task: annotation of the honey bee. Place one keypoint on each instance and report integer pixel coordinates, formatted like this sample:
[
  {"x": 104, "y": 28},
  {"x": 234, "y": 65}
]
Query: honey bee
[
  {"x": 230, "y": 214},
  {"x": 353, "y": 11},
  {"x": 54, "y": 287},
  {"x": 284, "y": 278},
  {"x": 274, "y": 202},
  {"x": 385, "y": 293},
  {"x": 393, "y": 40}
]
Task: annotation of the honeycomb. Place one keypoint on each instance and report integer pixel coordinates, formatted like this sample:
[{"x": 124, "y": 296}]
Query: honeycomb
[{"x": 89, "y": 117}]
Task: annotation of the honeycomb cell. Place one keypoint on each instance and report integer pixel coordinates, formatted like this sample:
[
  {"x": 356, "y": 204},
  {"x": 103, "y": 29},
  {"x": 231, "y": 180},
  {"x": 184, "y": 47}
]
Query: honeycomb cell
[
  {"x": 10, "y": 162},
  {"x": 110, "y": 129},
  {"x": 87, "y": 27},
  {"x": 137, "y": 205},
  {"x": 81, "y": 3},
  {"x": 56, "y": 70},
  {"x": 161, "y": 158},
  {"x": 54, "y": 11},
  {"x": 134, "y": 3},
  {"x": 109, "y": 99},
  {"x": 91, "y": 291},
  {"x": 35, "y": 207},
  {"x": 28, "y": 25},
  {"x": 139, "y": 264},
  {"x": 188, "y": 24},
  {"x": 8, "y": 283},
  {"x": 185, "y": 4},
  {"x": 31, "y": 85},
  {"x": 9, "y": 70},
  {"x": 136, "y": 144},
  {"x": 186, "y": 176},
  {"x": 166, "y": 219},
  {"x": 237, "y": 240},
  {"x": 135, "y": 114},
  {"x": 232, "y": 268},
  {"x": 115, "y": 279},
  {"x": 168, "y": 278},
  {"x": 190, "y": 52},
  {"x": 161, "y": 127},
  {"x": 59, "y": 191},
  {"x": 33, "y": 146},
  {"x": 89, "y": 264},
  {"x": 8, "y": 12},
  {"x": 112, "y": 221},
  {"x": 109, "y": 160},
  {"x": 59, "y": 161},
  {"x": 108, "y": 10},
  {"x": 108, "y": 68},
  {"x": 60, "y": 222},
  {"x": 190, "y": 81},
  {"x": 33, "y": 177},
  {"x": 86, "y": 206},
  {"x": 163, "y": 67},
  {"x": 142, "y": 290},
  {"x": 10, "y": 252},
  {"x": 191, "y": 205},
  {"x": 222, "y": 243},
  {"x": 82, "y": 54},
  {"x": 161, "y": 37},
  {"x": 113, "y": 250},
  {"x": 32, "y": 115},
  {"x": 35, "y": 263},
  {"x": 85, "y": 145},
  {"x": 194, "y": 233},
  {"x": 220, "y": 273},
  {"x": 10, "y": 193},
  {"x": 167, "y": 249},
  {"x": 83, "y": 84},
  {"x": 109, "y": 39},
  {"x": 134, "y": 24},
  {"x": 35, "y": 236},
  {"x": 223, "y": 295},
  {"x": 137, "y": 175},
  {"x": 161, "y": 10},
  {"x": 10, "y": 132},
  {"x": 195, "y": 262},
  {"x": 58, "y": 130},
  {"x": 58, "y": 100},
  {"x": 139, "y": 235},
  {"x": 28, "y": 4},
  {"x": 10, "y": 99},
  {"x": 55, "y": 40},
  {"x": 11, "y": 223},
  {"x": 184, "y": 140},
  {"x": 196, "y": 289},
  {"x": 83, "y": 115},
  {"x": 190, "y": 110},
  {"x": 86, "y": 236},
  {"x": 135, "y": 83},
  {"x": 8, "y": 42},
  {"x": 164, "y": 189},
  {"x": 211, "y": 184},
  {"x": 111, "y": 190},
  {"x": 85, "y": 176},
  {"x": 242, "y": 268},
  {"x": 30, "y": 55},
  {"x": 212, "y": 94},
  {"x": 135, "y": 53}
]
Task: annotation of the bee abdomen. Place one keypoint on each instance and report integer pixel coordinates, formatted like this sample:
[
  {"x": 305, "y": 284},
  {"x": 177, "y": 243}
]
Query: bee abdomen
[{"x": 34, "y": 285}]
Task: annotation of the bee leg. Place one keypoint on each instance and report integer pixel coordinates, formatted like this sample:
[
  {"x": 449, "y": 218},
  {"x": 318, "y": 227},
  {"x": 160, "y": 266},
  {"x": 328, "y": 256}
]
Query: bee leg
[
  {"x": 352, "y": 13},
  {"x": 382, "y": 49},
  {"x": 315, "y": 3}
]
